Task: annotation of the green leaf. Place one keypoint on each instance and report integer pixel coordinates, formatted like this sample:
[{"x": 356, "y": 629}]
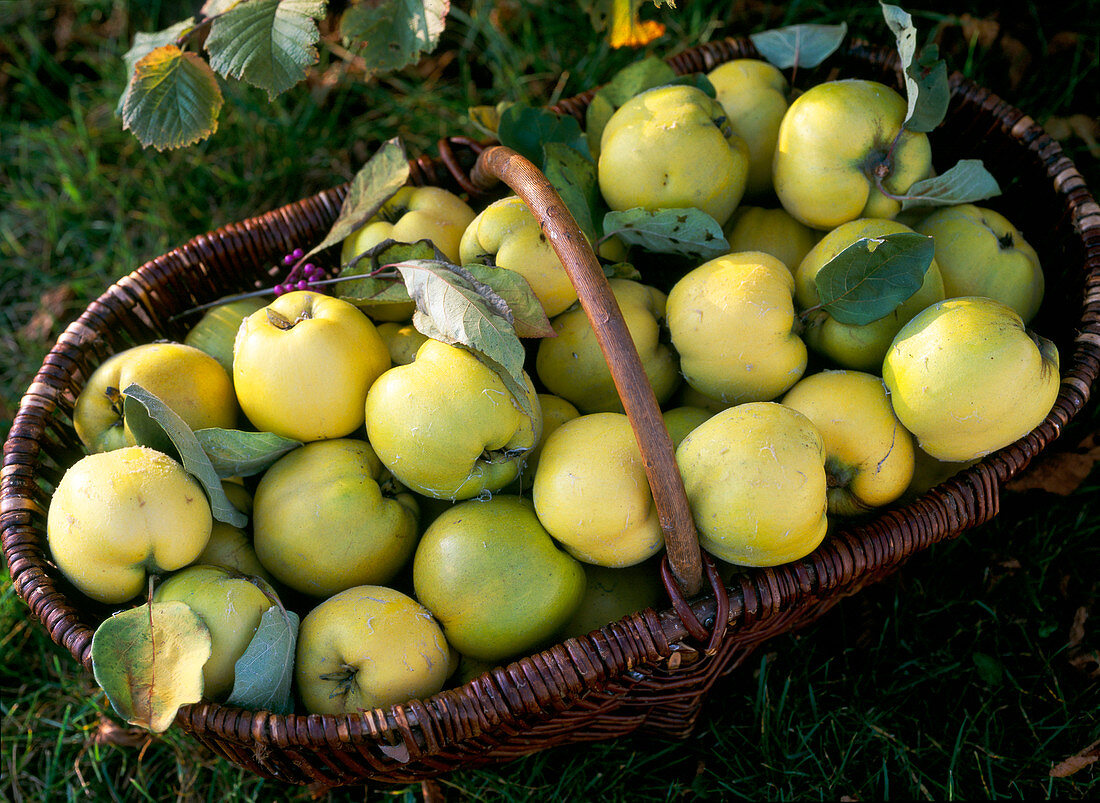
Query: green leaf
[
  {"x": 212, "y": 8},
  {"x": 394, "y": 34},
  {"x": 925, "y": 80},
  {"x": 263, "y": 673},
  {"x": 688, "y": 231},
  {"x": 872, "y": 276},
  {"x": 631, "y": 80},
  {"x": 929, "y": 75},
  {"x": 144, "y": 44},
  {"x": 799, "y": 45},
  {"x": 190, "y": 451},
  {"x": 372, "y": 292},
  {"x": 487, "y": 118},
  {"x": 528, "y": 316},
  {"x": 383, "y": 175},
  {"x": 636, "y": 78},
  {"x": 389, "y": 252},
  {"x": 455, "y": 308},
  {"x": 622, "y": 270},
  {"x": 597, "y": 114},
  {"x": 527, "y": 129},
  {"x": 268, "y": 43},
  {"x": 698, "y": 80},
  {"x": 573, "y": 175},
  {"x": 990, "y": 669},
  {"x": 966, "y": 182},
  {"x": 238, "y": 453},
  {"x": 149, "y": 661},
  {"x": 173, "y": 99}
]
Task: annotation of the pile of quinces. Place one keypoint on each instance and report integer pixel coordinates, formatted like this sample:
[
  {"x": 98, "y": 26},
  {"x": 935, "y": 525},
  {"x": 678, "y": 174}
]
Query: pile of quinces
[{"x": 430, "y": 514}]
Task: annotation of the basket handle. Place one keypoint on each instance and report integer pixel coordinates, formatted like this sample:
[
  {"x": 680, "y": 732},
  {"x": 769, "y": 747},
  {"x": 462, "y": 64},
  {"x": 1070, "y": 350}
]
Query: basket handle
[{"x": 500, "y": 163}]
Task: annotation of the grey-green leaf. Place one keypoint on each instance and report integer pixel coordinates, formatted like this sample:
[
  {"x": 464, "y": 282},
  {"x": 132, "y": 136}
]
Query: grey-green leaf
[
  {"x": 574, "y": 177},
  {"x": 268, "y": 43},
  {"x": 263, "y": 674},
  {"x": 622, "y": 270},
  {"x": 929, "y": 74},
  {"x": 384, "y": 174},
  {"x": 528, "y": 315},
  {"x": 239, "y": 453},
  {"x": 190, "y": 452},
  {"x": 689, "y": 231},
  {"x": 872, "y": 276},
  {"x": 966, "y": 182},
  {"x": 389, "y": 252},
  {"x": 372, "y": 291},
  {"x": 396, "y": 33},
  {"x": 799, "y": 45},
  {"x": 454, "y": 307},
  {"x": 926, "y": 87},
  {"x": 526, "y": 129}
]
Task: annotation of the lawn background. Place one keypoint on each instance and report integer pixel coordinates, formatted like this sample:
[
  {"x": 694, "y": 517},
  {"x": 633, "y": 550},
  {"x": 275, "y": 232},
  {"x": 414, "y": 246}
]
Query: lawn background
[{"x": 970, "y": 674}]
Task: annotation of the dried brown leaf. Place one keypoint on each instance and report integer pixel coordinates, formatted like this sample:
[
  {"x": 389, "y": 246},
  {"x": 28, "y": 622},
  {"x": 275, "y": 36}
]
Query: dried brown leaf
[
  {"x": 1087, "y": 663},
  {"x": 1066, "y": 767},
  {"x": 983, "y": 30},
  {"x": 110, "y": 732},
  {"x": 52, "y": 306},
  {"x": 1019, "y": 59},
  {"x": 1077, "y": 629},
  {"x": 1082, "y": 126},
  {"x": 1060, "y": 472}
]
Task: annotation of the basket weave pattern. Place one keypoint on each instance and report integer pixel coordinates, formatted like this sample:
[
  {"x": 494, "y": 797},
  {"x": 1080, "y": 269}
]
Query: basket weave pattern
[{"x": 651, "y": 670}]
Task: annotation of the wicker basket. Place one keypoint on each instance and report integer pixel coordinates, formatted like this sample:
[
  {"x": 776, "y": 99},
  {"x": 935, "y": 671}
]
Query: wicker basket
[{"x": 651, "y": 670}]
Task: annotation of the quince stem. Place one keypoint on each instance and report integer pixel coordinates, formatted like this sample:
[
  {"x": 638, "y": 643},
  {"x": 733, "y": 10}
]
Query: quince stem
[
  {"x": 268, "y": 291},
  {"x": 882, "y": 169}
]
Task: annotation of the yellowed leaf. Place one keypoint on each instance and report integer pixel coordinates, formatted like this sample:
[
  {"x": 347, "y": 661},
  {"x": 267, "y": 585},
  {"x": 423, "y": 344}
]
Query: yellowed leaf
[
  {"x": 630, "y": 30},
  {"x": 149, "y": 661}
]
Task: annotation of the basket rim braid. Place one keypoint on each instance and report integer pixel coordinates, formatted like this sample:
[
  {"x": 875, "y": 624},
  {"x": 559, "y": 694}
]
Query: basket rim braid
[{"x": 651, "y": 670}]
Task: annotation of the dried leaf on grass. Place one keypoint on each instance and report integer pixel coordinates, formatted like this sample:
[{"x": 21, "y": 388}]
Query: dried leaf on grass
[
  {"x": 1087, "y": 662},
  {"x": 1060, "y": 472},
  {"x": 53, "y": 305},
  {"x": 1066, "y": 767},
  {"x": 110, "y": 732},
  {"x": 989, "y": 34},
  {"x": 1077, "y": 629},
  {"x": 1082, "y": 126}
]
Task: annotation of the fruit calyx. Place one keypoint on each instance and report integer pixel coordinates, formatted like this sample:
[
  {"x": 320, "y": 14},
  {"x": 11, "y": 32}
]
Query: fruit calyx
[
  {"x": 343, "y": 678},
  {"x": 493, "y": 456}
]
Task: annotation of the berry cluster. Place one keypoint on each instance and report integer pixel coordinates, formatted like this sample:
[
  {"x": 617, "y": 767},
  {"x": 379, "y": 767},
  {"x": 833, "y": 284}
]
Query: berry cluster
[{"x": 301, "y": 277}]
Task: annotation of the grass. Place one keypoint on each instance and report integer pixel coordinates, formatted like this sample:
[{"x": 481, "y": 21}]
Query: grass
[{"x": 966, "y": 675}]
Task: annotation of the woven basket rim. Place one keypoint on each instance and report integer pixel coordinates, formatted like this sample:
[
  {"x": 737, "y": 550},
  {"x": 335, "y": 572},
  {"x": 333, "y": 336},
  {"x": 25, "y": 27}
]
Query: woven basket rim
[{"x": 967, "y": 499}]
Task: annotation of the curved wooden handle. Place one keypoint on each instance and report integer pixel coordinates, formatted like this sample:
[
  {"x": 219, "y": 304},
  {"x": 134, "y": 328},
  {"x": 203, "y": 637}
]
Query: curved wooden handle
[{"x": 594, "y": 292}]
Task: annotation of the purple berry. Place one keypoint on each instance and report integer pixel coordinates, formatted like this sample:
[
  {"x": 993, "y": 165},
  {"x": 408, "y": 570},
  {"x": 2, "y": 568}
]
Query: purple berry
[
  {"x": 298, "y": 253},
  {"x": 279, "y": 290},
  {"x": 302, "y": 284}
]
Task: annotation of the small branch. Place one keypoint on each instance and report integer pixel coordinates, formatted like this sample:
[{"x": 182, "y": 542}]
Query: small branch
[{"x": 271, "y": 291}]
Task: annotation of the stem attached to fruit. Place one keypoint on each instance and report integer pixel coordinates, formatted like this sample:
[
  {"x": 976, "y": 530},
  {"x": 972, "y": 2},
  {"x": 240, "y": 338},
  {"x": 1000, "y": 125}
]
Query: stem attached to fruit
[{"x": 117, "y": 401}]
